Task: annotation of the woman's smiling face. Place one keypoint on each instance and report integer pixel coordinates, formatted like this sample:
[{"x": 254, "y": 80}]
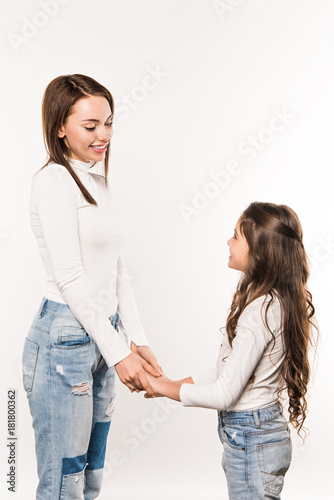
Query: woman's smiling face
[
  {"x": 88, "y": 129},
  {"x": 238, "y": 250}
]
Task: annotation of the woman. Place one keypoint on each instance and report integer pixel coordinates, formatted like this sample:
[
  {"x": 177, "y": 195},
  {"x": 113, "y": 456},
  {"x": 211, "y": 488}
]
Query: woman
[{"x": 87, "y": 327}]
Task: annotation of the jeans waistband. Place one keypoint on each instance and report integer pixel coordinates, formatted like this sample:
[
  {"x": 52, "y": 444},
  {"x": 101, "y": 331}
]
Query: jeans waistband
[
  {"x": 255, "y": 417},
  {"x": 63, "y": 310}
]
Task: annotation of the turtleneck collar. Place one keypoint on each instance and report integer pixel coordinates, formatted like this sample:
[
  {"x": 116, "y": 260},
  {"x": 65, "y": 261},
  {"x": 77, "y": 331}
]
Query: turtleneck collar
[{"x": 82, "y": 166}]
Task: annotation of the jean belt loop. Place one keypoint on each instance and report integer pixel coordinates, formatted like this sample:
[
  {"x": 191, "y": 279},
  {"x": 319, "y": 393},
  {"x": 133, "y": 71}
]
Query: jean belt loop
[
  {"x": 40, "y": 310},
  {"x": 115, "y": 320},
  {"x": 280, "y": 407},
  {"x": 256, "y": 418}
]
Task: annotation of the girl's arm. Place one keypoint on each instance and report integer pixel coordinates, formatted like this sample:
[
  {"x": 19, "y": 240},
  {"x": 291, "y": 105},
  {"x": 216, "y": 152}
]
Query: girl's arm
[
  {"x": 163, "y": 386},
  {"x": 247, "y": 349},
  {"x": 248, "y": 346}
]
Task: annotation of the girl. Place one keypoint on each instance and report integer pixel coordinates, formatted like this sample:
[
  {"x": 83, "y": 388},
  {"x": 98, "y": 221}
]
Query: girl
[
  {"x": 264, "y": 351},
  {"x": 87, "y": 327}
]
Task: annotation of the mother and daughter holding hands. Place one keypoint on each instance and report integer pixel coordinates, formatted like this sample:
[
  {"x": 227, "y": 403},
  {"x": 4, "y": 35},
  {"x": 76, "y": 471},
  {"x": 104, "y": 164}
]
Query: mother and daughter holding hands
[{"x": 87, "y": 328}]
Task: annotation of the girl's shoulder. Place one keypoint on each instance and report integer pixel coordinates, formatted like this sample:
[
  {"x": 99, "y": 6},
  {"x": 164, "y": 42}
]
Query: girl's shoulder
[
  {"x": 269, "y": 299},
  {"x": 263, "y": 311}
]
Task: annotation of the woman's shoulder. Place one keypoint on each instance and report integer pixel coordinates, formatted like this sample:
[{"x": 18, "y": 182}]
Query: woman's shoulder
[
  {"x": 52, "y": 171},
  {"x": 53, "y": 178},
  {"x": 101, "y": 181}
]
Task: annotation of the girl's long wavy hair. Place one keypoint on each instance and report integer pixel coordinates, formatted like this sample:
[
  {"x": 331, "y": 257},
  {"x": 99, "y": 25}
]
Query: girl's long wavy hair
[
  {"x": 59, "y": 98},
  {"x": 277, "y": 266}
]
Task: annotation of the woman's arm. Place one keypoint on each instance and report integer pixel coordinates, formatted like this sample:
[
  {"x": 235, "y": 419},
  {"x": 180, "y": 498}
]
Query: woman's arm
[
  {"x": 54, "y": 200},
  {"x": 130, "y": 323}
]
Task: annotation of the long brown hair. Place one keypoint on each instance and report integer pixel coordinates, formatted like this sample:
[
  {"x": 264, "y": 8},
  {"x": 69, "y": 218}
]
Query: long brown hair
[
  {"x": 59, "y": 98},
  {"x": 277, "y": 266}
]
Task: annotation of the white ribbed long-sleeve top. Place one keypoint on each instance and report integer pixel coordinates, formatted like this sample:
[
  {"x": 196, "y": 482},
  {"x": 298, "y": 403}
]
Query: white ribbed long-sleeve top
[
  {"x": 80, "y": 245},
  {"x": 254, "y": 351}
]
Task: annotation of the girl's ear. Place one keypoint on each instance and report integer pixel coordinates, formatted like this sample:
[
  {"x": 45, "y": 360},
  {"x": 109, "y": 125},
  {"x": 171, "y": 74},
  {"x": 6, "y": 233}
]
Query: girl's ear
[{"x": 61, "y": 133}]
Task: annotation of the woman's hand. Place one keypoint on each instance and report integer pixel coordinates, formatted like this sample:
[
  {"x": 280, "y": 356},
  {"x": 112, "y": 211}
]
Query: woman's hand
[
  {"x": 132, "y": 373},
  {"x": 150, "y": 363}
]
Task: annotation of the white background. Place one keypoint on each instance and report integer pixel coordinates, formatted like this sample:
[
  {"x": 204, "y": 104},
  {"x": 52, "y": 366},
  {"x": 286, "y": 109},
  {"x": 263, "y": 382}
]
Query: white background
[{"x": 222, "y": 74}]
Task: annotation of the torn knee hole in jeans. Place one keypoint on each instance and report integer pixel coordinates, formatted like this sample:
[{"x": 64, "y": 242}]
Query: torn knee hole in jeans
[
  {"x": 81, "y": 389},
  {"x": 110, "y": 409}
]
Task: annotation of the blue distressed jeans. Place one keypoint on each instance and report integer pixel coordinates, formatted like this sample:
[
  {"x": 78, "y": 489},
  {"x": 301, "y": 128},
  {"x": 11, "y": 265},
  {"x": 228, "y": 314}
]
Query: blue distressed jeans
[
  {"x": 257, "y": 452},
  {"x": 71, "y": 394}
]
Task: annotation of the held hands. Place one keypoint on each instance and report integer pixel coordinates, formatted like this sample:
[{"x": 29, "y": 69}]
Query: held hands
[
  {"x": 157, "y": 385},
  {"x": 148, "y": 359},
  {"x": 160, "y": 384},
  {"x": 133, "y": 370},
  {"x": 140, "y": 371}
]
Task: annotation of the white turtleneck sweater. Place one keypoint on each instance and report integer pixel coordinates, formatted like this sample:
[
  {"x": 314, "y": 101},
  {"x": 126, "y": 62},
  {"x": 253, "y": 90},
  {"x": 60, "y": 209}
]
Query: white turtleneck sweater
[
  {"x": 226, "y": 385},
  {"x": 80, "y": 246}
]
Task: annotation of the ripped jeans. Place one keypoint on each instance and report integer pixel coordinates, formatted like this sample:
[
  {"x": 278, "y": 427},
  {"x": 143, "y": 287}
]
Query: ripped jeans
[{"x": 71, "y": 394}]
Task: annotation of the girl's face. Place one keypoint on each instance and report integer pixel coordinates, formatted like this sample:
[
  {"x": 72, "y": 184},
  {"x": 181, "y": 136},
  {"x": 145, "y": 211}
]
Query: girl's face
[
  {"x": 88, "y": 129},
  {"x": 238, "y": 250}
]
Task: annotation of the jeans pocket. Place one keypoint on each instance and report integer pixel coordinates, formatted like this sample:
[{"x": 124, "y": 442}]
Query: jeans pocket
[
  {"x": 233, "y": 437},
  {"x": 70, "y": 337},
  {"x": 29, "y": 360},
  {"x": 275, "y": 459}
]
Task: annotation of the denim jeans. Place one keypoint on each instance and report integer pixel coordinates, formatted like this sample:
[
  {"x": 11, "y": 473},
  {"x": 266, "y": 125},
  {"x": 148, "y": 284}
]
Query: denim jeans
[
  {"x": 71, "y": 394},
  {"x": 257, "y": 451}
]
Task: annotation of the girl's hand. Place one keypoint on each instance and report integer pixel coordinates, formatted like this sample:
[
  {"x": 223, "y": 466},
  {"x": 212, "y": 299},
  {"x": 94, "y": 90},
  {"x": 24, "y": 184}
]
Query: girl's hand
[
  {"x": 150, "y": 361},
  {"x": 156, "y": 386},
  {"x": 163, "y": 386}
]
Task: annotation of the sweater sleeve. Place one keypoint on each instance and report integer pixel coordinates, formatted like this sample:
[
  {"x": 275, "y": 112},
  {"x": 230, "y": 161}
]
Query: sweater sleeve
[
  {"x": 56, "y": 203},
  {"x": 129, "y": 319},
  {"x": 205, "y": 377},
  {"x": 248, "y": 346}
]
